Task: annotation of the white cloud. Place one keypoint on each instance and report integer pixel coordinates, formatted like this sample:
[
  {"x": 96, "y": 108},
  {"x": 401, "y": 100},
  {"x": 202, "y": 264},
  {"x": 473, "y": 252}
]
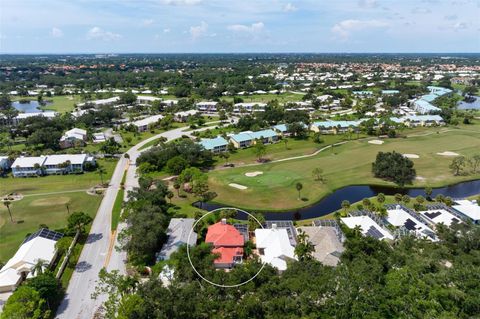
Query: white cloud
[
  {"x": 56, "y": 33},
  {"x": 459, "y": 26},
  {"x": 368, "y": 3},
  {"x": 97, "y": 33},
  {"x": 253, "y": 28},
  {"x": 344, "y": 28},
  {"x": 289, "y": 8},
  {"x": 166, "y": 30},
  {"x": 181, "y": 2},
  {"x": 147, "y": 22},
  {"x": 451, "y": 17},
  {"x": 419, "y": 10},
  {"x": 199, "y": 30}
]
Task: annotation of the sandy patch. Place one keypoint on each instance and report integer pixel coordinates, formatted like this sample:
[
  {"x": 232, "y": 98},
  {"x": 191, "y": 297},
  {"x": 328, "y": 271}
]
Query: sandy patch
[
  {"x": 50, "y": 201},
  {"x": 447, "y": 153},
  {"x": 238, "y": 186},
  {"x": 376, "y": 142},
  {"x": 420, "y": 178},
  {"x": 253, "y": 174},
  {"x": 411, "y": 155}
]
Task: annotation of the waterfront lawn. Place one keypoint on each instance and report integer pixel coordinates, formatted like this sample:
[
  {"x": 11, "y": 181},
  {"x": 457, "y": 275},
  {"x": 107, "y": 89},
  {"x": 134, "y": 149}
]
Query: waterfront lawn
[{"x": 347, "y": 164}]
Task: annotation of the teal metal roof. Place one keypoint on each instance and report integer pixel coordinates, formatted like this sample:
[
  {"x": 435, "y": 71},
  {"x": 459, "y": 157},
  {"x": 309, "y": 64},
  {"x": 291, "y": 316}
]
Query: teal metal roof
[
  {"x": 390, "y": 91},
  {"x": 263, "y": 134},
  {"x": 241, "y": 137},
  {"x": 211, "y": 143}
]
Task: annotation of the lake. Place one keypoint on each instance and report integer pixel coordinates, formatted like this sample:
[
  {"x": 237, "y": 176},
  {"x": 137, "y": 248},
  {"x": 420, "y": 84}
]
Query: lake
[
  {"x": 353, "y": 194},
  {"x": 475, "y": 105},
  {"x": 28, "y": 107}
]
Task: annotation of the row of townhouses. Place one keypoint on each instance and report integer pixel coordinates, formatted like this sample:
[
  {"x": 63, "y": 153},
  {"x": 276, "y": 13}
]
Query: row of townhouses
[{"x": 51, "y": 164}]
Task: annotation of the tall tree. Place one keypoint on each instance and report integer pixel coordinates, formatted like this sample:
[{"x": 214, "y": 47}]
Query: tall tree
[
  {"x": 7, "y": 204},
  {"x": 298, "y": 187}
]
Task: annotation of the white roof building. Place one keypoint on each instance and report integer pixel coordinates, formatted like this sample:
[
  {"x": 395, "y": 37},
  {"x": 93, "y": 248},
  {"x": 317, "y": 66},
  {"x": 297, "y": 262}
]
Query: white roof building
[
  {"x": 368, "y": 226},
  {"x": 468, "y": 208},
  {"x": 24, "y": 162},
  {"x": 38, "y": 246},
  {"x": 400, "y": 218},
  {"x": 49, "y": 114},
  {"x": 440, "y": 215},
  {"x": 274, "y": 247},
  {"x": 148, "y": 120},
  {"x": 74, "y": 133},
  {"x": 56, "y": 159}
]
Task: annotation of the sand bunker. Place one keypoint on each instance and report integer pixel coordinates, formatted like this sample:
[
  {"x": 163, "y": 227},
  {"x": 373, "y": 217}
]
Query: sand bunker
[
  {"x": 420, "y": 178},
  {"x": 411, "y": 156},
  {"x": 237, "y": 186},
  {"x": 376, "y": 142},
  {"x": 447, "y": 153},
  {"x": 253, "y": 174}
]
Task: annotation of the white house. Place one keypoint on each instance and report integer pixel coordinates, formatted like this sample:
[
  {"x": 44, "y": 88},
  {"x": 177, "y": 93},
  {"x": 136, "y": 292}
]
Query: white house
[
  {"x": 368, "y": 227},
  {"x": 184, "y": 115},
  {"x": 142, "y": 125},
  {"x": 72, "y": 137},
  {"x": 38, "y": 246},
  {"x": 438, "y": 215},
  {"x": 51, "y": 164},
  {"x": 468, "y": 208},
  {"x": 207, "y": 107},
  {"x": 399, "y": 216},
  {"x": 249, "y": 107},
  {"x": 274, "y": 247}
]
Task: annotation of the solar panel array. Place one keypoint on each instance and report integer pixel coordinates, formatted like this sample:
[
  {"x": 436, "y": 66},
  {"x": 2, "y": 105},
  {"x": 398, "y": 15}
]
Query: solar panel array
[
  {"x": 432, "y": 215},
  {"x": 373, "y": 232},
  {"x": 410, "y": 224},
  {"x": 44, "y": 233},
  {"x": 243, "y": 229},
  {"x": 286, "y": 224}
]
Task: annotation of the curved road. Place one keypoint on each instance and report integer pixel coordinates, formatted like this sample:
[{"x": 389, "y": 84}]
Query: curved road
[{"x": 99, "y": 250}]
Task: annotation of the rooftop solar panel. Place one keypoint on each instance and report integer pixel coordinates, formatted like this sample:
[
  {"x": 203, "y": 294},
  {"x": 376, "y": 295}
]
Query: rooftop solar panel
[
  {"x": 286, "y": 224},
  {"x": 375, "y": 233},
  {"x": 243, "y": 229},
  {"x": 410, "y": 224},
  {"x": 432, "y": 215},
  {"x": 44, "y": 233}
]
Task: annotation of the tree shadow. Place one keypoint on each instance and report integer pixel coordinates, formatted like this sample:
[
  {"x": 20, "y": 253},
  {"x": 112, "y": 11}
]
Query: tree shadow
[
  {"x": 83, "y": 266},
  {"x": 93, "y": 238}
]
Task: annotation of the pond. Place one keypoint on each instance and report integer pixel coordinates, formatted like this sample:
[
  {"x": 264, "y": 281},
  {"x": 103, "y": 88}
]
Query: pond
[
  {"x": 473, "y": 105},
  {"x": 355, "y": 193},
  {"x": 28, "y": 106}
]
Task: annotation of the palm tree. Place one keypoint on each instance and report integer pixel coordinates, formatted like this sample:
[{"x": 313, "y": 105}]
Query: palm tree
[
  {"x": 285, "y": 141},
  {"x": 7, "y": 204},
  {"x": 101, "y": 171},
  {"x": 39, "y": 266},
  {"x": 345, "y": 205},
  {"x": 357, "y": 230},
  {"x": 170, "y": 196},
  {"x": 299, "y": 187}
]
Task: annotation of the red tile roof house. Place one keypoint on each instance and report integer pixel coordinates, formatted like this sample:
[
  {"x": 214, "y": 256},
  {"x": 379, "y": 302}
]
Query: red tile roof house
[{"x": 228, "y": 242}]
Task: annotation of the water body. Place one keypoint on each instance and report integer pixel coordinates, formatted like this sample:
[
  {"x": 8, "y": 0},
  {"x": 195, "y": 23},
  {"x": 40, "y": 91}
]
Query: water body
[
  {"x": 475, "y": 105},
  {"x": 28, "y": 107},
  {"x": 333, "y": 202}
]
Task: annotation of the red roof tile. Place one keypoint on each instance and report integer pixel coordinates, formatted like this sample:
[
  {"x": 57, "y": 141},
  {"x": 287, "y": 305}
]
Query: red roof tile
[
  {"x": 224, "y": 235},
  {"x": 227, "y": 254}
]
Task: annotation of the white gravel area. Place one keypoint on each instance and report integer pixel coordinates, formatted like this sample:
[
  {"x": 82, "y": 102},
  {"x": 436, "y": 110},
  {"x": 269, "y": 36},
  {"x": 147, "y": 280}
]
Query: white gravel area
[{"x": 238, "y": 186}]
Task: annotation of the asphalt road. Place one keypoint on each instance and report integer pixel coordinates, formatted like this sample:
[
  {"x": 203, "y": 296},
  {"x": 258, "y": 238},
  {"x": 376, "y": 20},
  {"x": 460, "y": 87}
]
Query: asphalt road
[{"x": 97, "y": 252}]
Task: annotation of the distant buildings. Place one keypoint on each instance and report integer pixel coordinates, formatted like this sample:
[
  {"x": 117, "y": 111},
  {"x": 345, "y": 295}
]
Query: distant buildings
[
  {"x": 51, "y": 164},
  {"x": 423, "y": 105},
  {"x": 184, "y": 115},
  {"x": 143, "y": 124},
  {"x": 73, "y": 137},
  {"x": 334, "y": 127},
  {"x": 207, "y": 107},
  {"x": 39, "y": 246}
]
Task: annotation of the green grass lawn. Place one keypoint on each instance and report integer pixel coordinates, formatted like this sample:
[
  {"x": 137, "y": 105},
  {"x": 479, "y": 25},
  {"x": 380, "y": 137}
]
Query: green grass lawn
[
  {"x": 60, "y": 103},
  {"x": 36, "y": 208},
  {"x": 347, "y": 164},
  {"x": 264, "y": 98},
  {"x": 32, "y": 211}
]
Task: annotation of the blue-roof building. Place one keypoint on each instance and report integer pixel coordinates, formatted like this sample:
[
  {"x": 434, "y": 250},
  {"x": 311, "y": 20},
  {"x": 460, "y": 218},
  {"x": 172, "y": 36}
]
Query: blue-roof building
[
  {"x": 216, "y": 145},
  {"x": 245, "y": 139},
  {"x": 438, "y": 90},
  {"x": 390, "y": 92},
  {"x": 334, "y": 127},
  {"x": 424, "y": 107}
]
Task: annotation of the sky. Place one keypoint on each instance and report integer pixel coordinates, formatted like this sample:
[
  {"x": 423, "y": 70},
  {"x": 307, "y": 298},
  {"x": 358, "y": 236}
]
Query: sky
[{"x": 204, "y": 26}]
